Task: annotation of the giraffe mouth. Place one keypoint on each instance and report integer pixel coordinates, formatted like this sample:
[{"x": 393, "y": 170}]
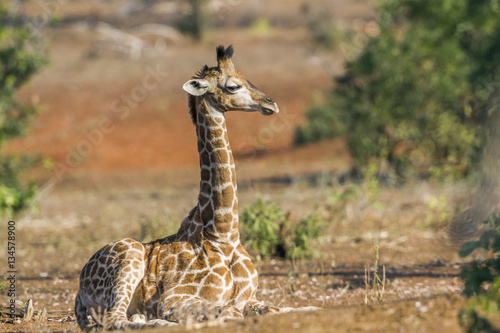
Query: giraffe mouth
[{"x": 267, "y": 111}]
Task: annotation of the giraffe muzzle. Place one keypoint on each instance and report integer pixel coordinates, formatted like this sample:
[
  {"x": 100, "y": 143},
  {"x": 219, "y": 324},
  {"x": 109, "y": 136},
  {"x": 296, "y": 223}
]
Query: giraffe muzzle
[{"x": 269, "y": 107}]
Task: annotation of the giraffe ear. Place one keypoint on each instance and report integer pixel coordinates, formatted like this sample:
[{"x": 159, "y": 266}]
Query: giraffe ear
[{"x": 196, "y": 87}]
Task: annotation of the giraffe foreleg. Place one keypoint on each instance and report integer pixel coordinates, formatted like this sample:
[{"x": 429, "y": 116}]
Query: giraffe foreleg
[
  {"x": 189, "y": 308},
  {"x": 229, "y": 312},
  {"x": 257, "y": 308}
]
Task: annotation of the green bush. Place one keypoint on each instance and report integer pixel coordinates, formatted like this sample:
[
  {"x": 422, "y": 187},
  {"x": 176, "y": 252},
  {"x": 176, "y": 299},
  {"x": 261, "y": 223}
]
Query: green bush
[
  {"x": 305, "y": 234},
  {"x": 19, "y": 60},
  {"x": 265, "y": 232},
  {"x": 482, "y": 280},
  {"x": 322, "y": 124},
  {"x": 421, "y": 93},
  {"x": 261, "y": 224}
]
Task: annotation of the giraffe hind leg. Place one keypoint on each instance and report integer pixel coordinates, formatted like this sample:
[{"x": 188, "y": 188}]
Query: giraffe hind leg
[
  {"x": 81, "y": 313},
  {"x": 108, "y": 283}
]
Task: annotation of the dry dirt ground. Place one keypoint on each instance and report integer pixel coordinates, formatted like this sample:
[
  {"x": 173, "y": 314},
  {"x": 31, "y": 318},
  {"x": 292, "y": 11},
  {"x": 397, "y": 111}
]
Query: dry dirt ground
[
  {"x": 421, "y": 290},
  {"x": 140, "y": 178}
]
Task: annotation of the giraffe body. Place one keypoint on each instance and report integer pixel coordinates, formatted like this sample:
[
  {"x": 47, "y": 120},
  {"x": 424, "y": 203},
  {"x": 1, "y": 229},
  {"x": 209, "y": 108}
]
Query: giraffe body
[{"x": 202, "y": 271}]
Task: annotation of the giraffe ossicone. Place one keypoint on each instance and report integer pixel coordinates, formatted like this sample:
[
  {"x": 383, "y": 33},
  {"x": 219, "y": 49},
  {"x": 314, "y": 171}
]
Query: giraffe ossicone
[{"x": 202, "y": 271}]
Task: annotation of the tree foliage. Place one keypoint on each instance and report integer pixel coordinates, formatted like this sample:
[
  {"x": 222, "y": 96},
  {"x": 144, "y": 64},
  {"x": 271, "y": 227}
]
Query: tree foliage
[
  {"x": 20, "y": 58},
  {"x": 420, "y": 94}
]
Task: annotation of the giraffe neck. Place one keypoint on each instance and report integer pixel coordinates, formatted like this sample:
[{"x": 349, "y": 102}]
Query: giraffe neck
[{"x": 218, "y": 198}]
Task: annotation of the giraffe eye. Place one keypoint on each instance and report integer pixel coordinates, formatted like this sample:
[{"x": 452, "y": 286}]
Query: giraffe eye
[{"x": 233, "y": 88}]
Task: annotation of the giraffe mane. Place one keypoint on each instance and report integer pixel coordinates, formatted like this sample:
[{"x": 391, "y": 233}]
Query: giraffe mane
[
  {"x": 200, "y": 74},
  {"x": 192, "y": 107}
]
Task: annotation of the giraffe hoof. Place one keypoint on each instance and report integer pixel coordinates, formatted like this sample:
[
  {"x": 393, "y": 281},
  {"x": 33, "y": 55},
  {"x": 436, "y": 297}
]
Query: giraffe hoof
[
  {"x": 93, "y": 328},
  {"x": 160, "y": 322},
  {"x": 138, "y": 318}
]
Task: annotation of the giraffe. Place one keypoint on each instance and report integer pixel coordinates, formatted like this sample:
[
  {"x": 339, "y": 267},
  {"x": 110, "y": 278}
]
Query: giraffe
[{"x": 202, "y": 270}]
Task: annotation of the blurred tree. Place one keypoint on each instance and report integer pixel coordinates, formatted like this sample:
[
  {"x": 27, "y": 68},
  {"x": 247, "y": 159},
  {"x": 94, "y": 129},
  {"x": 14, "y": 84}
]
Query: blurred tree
[
  {"x": 195, "y": 21},
  {"x": 420, "y": 95},
  {"x": 20, "y": 58}
]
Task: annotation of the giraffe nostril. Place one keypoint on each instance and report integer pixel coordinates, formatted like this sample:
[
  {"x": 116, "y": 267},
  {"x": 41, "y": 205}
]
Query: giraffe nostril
[{"x": 269, "y": 100}]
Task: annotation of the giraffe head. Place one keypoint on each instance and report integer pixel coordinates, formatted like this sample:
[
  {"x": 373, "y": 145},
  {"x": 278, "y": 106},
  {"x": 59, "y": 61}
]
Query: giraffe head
[{"x": 226, "y": 89}]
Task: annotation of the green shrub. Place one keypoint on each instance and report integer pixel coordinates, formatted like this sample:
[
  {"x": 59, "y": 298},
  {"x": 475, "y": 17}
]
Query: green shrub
[
  {"x": 261, "y": 224},
  {"x": 321, "y": 124},
  {"x": 20, "y": 58},
  {"x": 266, "y": 232},
  {"x": 482, "y": 280},
  {"x": 261, "y": 27},
  {"x": 305, "y": 234},
  {"x": 421, "y": 93}
]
